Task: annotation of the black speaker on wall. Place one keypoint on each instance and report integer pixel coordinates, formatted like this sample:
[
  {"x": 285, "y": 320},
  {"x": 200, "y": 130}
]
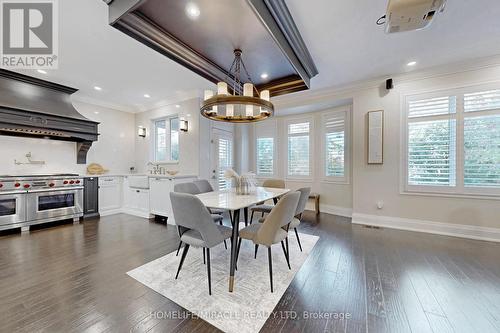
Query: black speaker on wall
[{"x": 389, "y": 84}]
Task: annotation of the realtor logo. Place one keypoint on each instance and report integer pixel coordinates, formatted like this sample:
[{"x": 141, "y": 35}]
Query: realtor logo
[{"x": 29, "y": 34}]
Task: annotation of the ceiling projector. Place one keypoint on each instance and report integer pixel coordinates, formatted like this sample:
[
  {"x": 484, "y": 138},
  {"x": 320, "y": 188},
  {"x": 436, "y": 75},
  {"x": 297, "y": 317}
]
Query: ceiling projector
[{"x": 407, "y": 15}]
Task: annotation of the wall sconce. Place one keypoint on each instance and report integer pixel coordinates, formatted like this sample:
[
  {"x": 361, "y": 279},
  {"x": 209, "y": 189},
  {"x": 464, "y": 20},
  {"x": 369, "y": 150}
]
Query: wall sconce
[
  {"x": 141, "y": 131},
  {"x": 183, "y": 125}
]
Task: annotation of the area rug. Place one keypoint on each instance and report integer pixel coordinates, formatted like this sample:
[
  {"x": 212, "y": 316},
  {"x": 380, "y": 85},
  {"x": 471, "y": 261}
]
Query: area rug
[{"x": 247, "y": 308}]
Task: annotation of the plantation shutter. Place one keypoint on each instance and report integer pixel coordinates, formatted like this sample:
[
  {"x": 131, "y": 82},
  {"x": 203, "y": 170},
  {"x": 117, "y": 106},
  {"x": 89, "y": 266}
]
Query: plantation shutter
[
  {"x": 482, "y": 139},
  {"x": 225, "y": 148},
  {"x": 432, "y": 141},
  {"x": 265, "y": 156},
  {"x": 335, "y": 129},
  {"x": 298, "y": 149}
]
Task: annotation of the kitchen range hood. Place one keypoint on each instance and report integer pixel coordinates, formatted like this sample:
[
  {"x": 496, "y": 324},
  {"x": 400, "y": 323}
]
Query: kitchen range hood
[{"x": 32, "y": 107}]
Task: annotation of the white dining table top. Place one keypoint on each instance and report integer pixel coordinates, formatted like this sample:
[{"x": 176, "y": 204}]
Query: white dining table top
[{"x": 228, "y": 199}]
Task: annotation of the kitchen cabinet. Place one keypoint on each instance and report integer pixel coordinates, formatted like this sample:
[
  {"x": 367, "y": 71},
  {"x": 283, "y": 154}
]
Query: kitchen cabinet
[
  {"x": 90, "y": 197},
  {"x": 135, "y": 200},
  {"x": 159, "y": 196},
  {"x": 110, "y": 195}
]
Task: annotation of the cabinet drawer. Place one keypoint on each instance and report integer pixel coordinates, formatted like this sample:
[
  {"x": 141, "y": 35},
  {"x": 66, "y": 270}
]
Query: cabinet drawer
[{"x": 109, "y": 180}]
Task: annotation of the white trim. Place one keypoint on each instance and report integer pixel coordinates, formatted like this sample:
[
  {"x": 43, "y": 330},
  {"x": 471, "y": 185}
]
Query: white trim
[
  {"x": 111, "y": 212},
  {"x": 103, "y": 104},
  {"x": 447, "y": 229},
  {"x": 335, "y": 210}
]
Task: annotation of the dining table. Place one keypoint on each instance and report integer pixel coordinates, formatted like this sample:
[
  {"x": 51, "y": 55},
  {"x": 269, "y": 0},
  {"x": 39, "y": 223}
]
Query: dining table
[{"x": 230, "y": 200}]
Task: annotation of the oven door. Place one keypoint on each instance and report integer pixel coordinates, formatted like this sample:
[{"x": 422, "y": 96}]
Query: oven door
[
  {"x": 12, "y": 208},
  {"x": 47, "y": 204}
]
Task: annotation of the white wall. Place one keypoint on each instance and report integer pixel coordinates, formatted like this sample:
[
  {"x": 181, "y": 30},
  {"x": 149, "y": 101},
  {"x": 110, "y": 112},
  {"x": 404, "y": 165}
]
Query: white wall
[
  {"x": 371, "y": 183},
  {"x": 188, "y": 141},
  {"x": 114, "y": 149}
]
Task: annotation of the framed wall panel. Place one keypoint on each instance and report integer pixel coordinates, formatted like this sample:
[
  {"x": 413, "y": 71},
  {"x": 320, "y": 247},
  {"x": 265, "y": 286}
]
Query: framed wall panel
[{"x": 375, "y": 147}]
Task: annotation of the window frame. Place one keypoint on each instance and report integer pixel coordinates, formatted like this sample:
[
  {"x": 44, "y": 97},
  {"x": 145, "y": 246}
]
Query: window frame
[
  {"x": 346, "y": 179},
  {"x": 154, "y": 141},
  {"x": 298, "y": 120},
  {"x": 459, "y": 190}
]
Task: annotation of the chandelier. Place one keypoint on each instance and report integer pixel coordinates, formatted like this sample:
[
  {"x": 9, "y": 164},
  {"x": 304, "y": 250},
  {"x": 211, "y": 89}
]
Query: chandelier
[{"x": 238, "y": 105}]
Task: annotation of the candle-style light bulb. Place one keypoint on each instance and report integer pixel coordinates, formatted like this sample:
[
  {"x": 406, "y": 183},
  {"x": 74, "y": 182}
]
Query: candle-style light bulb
[{"x": 222, "y": 88}]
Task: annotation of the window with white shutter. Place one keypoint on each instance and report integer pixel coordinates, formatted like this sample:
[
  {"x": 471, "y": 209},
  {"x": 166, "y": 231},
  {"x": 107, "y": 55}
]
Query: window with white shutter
[
  {"x": 265, "y": 148},
  {"x": 453, "y": 142},
  {"x": 225, "y": 152},
  {"x": 298, "y": 149},
  {"x": 336, "y": 146}
]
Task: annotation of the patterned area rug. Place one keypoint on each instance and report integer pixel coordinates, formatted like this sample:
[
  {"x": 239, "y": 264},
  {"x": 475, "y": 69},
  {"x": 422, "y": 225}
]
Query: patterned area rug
[{"x": 251, "y": 303}]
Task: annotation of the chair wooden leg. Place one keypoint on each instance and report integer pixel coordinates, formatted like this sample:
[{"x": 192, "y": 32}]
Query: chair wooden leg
[
  {"x": 183, "y": 256},
  {"x": 286, "y": 254},
  {"x": 256, "y": 248},
  {"x": 208, "y": 272},
  {"x": 251, "y": 217},
  {"x": 203, "y": 256},
  {"x": 298, "y": 239},
  {"x": 225, "y": 245},
  {"x": 270, "y": 257},
  {"x": 178, "y": 248}
]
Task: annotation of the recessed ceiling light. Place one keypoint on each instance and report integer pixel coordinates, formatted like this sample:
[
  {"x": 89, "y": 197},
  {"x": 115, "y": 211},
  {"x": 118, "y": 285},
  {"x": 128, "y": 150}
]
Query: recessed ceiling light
[
  {"x": 96, "y": 112},
  {"x": 177, "y": 106},
  {"x": 264, "y": 76},
  {"x": 41, "y": 71},
  {"x": 97, "y": 88},
  {"x": 411, "y": 63},
  {"x": 192, "y": 11},
  {"x": 147, "y": 95}
]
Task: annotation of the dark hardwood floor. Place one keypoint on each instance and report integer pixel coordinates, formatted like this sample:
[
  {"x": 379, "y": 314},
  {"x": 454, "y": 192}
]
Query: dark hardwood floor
[{"x": 71, "y": 278}]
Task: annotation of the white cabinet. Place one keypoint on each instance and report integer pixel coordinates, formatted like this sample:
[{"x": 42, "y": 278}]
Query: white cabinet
[
  {"x": 159, "y": 195},
  {"x": 135, "y": 200},
  {"x": 110, "y": 195}
]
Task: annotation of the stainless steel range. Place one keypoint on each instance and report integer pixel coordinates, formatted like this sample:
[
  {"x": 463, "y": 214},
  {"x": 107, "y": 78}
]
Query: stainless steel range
[{"x": 33, "y": 199}]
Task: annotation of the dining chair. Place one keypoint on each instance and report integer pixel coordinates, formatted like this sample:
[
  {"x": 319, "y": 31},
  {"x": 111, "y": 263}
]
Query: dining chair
[
  {"x": 271, "y": 231},
  {"x": 204, "y": 186},
  {"x": 191, "y": 188},
  {"x": 301, "y": 207},
  {"x": 196, "y": 228},
  {"x": 261, "y": 207}
]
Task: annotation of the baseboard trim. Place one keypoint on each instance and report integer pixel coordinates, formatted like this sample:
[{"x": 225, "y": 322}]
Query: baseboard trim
[
  {"x": 335, "y": 210},
  {"x": 126, "y": 211},
  {"x": 431, "y": 227}
]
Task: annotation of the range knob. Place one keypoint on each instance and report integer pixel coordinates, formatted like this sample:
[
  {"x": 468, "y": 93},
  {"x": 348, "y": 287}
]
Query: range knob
[
  {"x": 17, "y": 185},
  {"x": 78, "y": 182},
  {"x": 1, "y": 185},
  {"x": 26, "y": 186},
  {"x": 71, "y": 181},
  {"x": 51, "y": 185},
  {"x": 65, "y": 182}
]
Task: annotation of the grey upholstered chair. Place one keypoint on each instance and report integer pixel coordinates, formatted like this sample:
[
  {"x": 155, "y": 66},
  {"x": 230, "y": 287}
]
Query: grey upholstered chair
[
  {"x": 301, "y": 206},
  {"x": 261, "y": 207},
  {"x": 196, "y": 228},
  {"x": 191, "y": 188},
  {"x": 273, "y": 230},
  {"x": 204, "y": 187}
]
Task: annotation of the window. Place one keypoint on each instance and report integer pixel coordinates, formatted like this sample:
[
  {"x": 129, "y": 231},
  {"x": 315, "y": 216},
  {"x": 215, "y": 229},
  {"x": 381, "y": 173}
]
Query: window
[
  {"x": 453, "y": 142},
  {"x": 265, "y": 148},
  {"x": 335, "y": 146},
  {"x": 299, "y": 164},
  {"x": 166, "y": 139},
  {"x": 265, "y": 157},
  {"x": 225, "y": 155}
]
